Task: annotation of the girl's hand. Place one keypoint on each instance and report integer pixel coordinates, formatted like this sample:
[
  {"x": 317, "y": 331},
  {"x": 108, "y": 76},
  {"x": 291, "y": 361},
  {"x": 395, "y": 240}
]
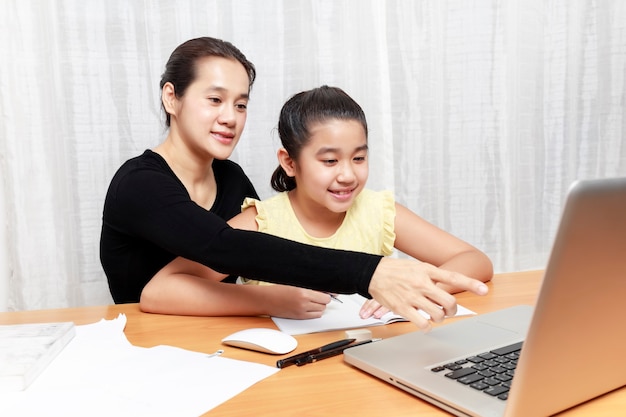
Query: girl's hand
[
  {"x": 372, "y": 308},
  {"x": 295, "y": 303}
]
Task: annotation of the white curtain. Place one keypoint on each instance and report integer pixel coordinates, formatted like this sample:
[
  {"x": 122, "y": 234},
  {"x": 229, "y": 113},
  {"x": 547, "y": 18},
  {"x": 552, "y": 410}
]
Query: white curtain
[{"x": 481, "y": 113}]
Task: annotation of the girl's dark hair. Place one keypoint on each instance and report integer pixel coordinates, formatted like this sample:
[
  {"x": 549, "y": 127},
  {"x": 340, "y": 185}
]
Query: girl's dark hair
[
  {"x": 300, "y": 113},
  {"x": 180, "y": 69}
]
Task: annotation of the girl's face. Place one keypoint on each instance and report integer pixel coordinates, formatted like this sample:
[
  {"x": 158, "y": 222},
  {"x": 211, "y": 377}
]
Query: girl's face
[
  {"x": 332, "y": 167},
  {"x": 211, "y": 115}
]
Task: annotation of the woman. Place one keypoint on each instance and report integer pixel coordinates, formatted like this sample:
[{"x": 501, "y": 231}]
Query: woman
[{"x": 173, "y": 201}]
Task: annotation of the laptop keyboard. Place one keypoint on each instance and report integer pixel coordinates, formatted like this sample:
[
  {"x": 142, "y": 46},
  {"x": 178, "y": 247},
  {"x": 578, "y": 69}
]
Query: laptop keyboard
[{"x": 490, "y": 372}]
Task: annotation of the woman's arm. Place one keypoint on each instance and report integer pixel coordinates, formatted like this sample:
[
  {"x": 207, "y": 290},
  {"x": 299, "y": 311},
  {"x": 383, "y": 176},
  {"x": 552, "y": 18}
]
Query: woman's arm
[{"x": 186, "y": 287}]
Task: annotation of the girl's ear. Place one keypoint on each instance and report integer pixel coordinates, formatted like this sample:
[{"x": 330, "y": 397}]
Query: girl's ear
[
  {"x": 169, "y": 99},
  {"x": 288, "y": 164}
]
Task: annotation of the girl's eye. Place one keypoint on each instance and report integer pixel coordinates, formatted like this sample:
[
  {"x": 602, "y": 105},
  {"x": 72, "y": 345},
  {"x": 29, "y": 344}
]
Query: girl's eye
[
  {"x": 241, "y": 106},
  {"x": 214, "y": 99},
  {"x": 329, "y": 161},
  {"x": 359, "y": 159}
]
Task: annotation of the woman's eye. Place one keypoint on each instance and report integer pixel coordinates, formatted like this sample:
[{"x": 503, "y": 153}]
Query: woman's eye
[
  {"x": 241, "y": 106},
  {"x": 214, "y": 100},
  {"x": 359, "y": 159}
]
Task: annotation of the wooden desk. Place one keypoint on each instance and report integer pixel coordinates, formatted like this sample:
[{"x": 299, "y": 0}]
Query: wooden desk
[{"x": 329, "y": 387}]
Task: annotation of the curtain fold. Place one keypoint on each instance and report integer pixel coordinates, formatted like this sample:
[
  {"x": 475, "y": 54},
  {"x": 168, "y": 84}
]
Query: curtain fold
[{"x": 481, "y": 114}]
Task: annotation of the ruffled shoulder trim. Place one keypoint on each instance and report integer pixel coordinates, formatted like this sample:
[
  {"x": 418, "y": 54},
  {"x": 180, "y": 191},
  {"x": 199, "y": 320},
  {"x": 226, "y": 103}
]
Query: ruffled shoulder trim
[
  {"x": 389, "y": 220},
  {"x": 271, "y": 212},
  {"x": 261, "y": 213}
]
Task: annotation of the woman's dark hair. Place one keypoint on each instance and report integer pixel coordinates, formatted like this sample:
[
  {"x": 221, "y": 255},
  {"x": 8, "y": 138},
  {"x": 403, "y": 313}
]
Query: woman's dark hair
[
  {"x": 180, "y": 69},
  {"x": 300, "y": 113}
]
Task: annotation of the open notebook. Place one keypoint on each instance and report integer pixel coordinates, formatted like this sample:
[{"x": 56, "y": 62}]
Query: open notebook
[{"x": 344, "y": 315}]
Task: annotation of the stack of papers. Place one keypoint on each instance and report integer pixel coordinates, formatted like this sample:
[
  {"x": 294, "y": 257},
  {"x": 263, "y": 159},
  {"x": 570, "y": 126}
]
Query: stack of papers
[
  {"x": 27, "y": 349},
  {"x": 100, "y": 373}
]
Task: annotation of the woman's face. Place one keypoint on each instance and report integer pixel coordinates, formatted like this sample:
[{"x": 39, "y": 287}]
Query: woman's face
[{"x": 211, "y": 114}]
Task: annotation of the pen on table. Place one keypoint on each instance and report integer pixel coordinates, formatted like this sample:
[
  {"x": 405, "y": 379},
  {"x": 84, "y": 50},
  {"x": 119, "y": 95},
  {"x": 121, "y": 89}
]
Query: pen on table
[
  {"x": 314, "y": 357},
  {"x": 294, "y": 360}
]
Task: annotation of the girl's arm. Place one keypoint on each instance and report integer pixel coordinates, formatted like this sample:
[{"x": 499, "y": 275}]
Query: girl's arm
[
  {"x": 427, "y": 243},
  {"x": 193, "y": 295},
  {"x": 246, "y": 220}
]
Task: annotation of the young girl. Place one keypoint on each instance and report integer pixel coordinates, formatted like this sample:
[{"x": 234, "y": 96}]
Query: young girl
[
  {"x": 322, "y": 174},
  {"x": 323, "y": 201}
]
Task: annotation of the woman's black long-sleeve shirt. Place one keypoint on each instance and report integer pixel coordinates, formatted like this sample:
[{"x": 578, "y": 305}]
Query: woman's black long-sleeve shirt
[{"x": 149, "y": 219}]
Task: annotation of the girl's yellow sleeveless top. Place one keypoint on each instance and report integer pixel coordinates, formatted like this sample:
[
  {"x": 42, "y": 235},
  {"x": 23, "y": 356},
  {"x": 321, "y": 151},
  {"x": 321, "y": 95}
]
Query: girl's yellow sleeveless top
[{"x": 368, "y": 225}]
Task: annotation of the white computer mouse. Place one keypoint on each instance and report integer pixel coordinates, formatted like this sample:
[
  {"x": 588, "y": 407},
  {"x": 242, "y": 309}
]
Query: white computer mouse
[{"x": 262, "y": 340}]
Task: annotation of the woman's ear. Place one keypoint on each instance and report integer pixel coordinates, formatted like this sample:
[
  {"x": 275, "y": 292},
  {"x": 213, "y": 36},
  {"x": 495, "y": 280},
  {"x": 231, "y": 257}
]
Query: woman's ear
[
  {"x": 288, "y": 164},
  {"x": 169, "y": 99}
]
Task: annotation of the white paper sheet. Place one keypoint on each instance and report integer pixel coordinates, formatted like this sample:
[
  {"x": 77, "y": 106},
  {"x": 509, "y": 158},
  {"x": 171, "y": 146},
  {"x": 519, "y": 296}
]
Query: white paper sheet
[{"x": 100, "y": 373}]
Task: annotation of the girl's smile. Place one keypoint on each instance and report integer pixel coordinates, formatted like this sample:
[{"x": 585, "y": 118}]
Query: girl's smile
[{"x": 342, "y": 195}]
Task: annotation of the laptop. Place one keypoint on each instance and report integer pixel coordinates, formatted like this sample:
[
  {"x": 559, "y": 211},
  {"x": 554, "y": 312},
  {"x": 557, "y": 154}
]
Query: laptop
[{"x": 569, "y": 348}]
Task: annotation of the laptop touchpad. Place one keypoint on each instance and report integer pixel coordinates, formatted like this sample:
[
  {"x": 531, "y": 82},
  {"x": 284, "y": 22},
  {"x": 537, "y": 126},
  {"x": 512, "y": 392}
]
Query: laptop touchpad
[{"x": 476, "y": 333}]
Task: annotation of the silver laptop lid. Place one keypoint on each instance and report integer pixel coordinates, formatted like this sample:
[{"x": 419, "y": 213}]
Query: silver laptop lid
[{"x": 576, "y": 343}]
